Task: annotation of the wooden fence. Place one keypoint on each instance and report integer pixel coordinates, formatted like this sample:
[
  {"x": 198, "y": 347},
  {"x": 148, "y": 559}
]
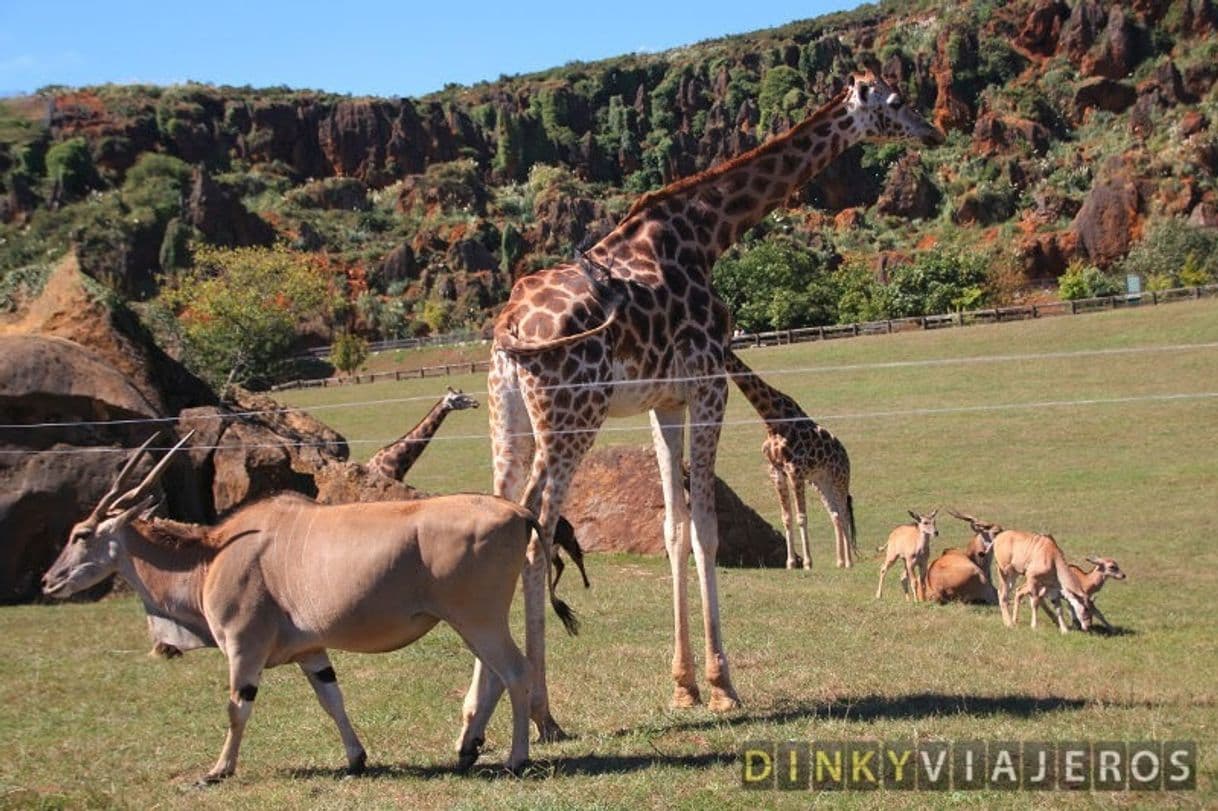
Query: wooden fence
[{"x": 993, "y": 315}]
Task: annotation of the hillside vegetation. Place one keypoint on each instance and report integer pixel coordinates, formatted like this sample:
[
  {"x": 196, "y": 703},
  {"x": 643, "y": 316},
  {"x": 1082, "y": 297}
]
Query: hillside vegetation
[{"x": 1078, "y": 131}]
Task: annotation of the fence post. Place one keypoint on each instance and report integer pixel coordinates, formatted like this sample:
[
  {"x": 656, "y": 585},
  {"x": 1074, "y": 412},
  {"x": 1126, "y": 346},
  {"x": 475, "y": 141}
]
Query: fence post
[
  {"x": 1154, "y": 297},
  {"x": 1196, "y": 292},
  {"x": 1073, "y": 307}
]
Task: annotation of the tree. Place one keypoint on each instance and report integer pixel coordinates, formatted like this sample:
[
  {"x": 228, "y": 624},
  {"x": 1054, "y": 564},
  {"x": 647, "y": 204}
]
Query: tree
[
  {"x": 348, "y": 352},
  {"x": 70, "y": 166},
  {"x": 938, "y": 281},
  {"x": 239, "y": 309}
]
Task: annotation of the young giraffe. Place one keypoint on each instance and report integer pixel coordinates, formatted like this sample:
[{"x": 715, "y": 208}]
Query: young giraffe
[
  {"x": 395, "y": 459},
  {"x": 800, "y": 451},
  {"x": 636, "y": 327}
]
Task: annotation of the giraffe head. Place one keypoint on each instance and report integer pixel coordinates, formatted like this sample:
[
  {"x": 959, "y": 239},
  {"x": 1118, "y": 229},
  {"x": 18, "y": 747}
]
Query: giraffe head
[
  {"x": 457, "y": 400},
  {"x": 882, "y": 115}
]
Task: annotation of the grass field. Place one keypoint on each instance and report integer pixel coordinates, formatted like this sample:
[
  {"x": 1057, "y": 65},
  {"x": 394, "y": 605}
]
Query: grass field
[{"x": 1091, "y": 428}]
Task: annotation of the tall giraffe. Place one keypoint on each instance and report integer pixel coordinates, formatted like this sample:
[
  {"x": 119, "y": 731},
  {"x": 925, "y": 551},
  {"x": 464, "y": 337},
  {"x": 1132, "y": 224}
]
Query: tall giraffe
[
  {"x": 800, "y": 452},
  {"x": 399, "y": 456},
  {"x": 636, "y": 327}
]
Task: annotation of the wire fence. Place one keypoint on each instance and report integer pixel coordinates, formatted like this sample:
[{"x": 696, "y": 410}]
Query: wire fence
[{"x": 992, "y": 315}]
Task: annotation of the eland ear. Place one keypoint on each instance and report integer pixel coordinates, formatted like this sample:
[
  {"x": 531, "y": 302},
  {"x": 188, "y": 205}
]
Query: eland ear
[
  {"x": 914, "y": 515},
  {"x": 147, "y": 503},
  {"x": 933, "y": 513}
]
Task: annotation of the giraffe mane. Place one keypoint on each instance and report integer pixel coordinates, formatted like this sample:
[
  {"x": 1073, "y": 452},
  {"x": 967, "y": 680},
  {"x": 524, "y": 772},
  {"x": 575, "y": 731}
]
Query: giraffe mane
[{"x": 677, "y": 186}]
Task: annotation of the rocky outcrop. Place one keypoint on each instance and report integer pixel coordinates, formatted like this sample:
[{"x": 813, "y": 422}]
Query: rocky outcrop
[
  {"x": 1119, "y": 49},
  {"x": 220, "y": 215},
  {"x": 615, "y": 505},
  {"x": 346, "y": 483},
  {"x": 1103, "y": 94},
  {"x": 1042, "y": 27},
  {"x": 1110, "y": 215},
  {"x": 50, "y": 477},
  {"x": 1044, "y": 257},
  {"x": 909, "y": 192},
  {"x": 995, "y": 134}
]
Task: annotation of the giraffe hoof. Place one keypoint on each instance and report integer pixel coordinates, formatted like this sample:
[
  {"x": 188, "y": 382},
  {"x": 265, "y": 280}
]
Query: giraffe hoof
[
  {"x": 685, "y": 697},
  {"x": 723, "y": 701}
]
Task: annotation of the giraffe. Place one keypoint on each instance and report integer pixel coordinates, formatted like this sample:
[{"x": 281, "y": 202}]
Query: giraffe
[
  {"x": 634, "y": 326},
  {"x": 396, "y": 458},
  {"x": 799, "y": 451}
]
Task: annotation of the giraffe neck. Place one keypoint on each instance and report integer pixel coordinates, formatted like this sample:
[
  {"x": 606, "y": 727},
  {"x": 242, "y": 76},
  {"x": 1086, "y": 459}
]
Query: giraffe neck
[
  {"x": 394, "y": 460},
  {"x": 719, "y": 205},
  {"x": 769, "y": 402}
]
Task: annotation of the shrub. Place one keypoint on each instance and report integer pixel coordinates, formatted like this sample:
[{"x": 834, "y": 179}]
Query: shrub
[
  {"x": 938, "y": 281},
  {"x": 1085, "y": 281},
  {"x": 156, "y": 182},
  {"x": 1174, "y": 254},
  {"x": 70, "y": 165},
  {"x": 348, "y": 352},
  {"x": 239, "y": 310},
  {"x": 777, "y": 284}
]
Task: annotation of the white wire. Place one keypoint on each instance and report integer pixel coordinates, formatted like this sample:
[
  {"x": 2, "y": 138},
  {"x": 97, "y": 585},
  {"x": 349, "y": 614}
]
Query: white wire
[
  {"x": 899, "y": 364},
  {"x": 862, "y": 415}
]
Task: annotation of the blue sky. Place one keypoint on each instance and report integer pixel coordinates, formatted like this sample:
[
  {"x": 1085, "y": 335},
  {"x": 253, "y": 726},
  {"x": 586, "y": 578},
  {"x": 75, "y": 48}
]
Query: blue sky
[{"x": 376, "y": 48}]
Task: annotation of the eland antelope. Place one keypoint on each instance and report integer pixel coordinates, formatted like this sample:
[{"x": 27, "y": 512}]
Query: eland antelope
[
  {"x": 283, "y": 579},
  {"x": 1043, "y": 564},
  {"x": 910, "y": 543}
]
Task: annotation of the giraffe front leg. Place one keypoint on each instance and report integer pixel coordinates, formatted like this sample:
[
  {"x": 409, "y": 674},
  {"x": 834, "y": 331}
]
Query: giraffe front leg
[
  {"x": 779, "y": 478},
  {"x": 706, "y": 417},
  {"x": 799, "y": 487},
  {"x": 667, "y": 428}
]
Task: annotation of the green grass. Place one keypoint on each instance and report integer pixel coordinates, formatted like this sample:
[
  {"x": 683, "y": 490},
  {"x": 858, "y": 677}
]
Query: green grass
[{"x": 88, "y": 720}]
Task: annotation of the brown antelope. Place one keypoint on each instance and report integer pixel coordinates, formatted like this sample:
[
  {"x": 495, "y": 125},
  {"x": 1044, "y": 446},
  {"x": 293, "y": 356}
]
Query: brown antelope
[
  {"x": 911, "y": 544},
  {"x": 1043, "y": 564},
  {"x": 963, "y": 575},
  {"x": 283, "y": 579},
  {"x": 1092, "y": 582}
]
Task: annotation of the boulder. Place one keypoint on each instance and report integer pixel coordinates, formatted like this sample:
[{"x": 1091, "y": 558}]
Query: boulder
[
  {"x": 1044, "y": 257},
  {"x": 51, "y": 477},
  {"x": 909, "y": 192},
  {"x": 1118, "y": 51},
  {"x": 994, "y": 134},
  {"x": 1109, "y": 216},
  {"x": 1101, "y": 93},
  {"x": 616, "y": 505},
  {"x": 349, "y": 482},
  {"x": 1042, "y": 27}
]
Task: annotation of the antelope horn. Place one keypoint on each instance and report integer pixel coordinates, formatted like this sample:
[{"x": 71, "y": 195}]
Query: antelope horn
[
  {"x": 115, "y": 489},
  {"x": 1092, "y": 561},
  {"x": 963, "y": 516},
  {"x": 151, "y": 479}
]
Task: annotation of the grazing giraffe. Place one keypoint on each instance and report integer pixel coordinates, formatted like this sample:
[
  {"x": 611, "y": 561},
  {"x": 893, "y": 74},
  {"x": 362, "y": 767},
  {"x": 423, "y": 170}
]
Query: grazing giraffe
[
  {"x": 800, "y": 452},
  {"x": 393, "y": 460},
  {"x": 635, "y": 327}
]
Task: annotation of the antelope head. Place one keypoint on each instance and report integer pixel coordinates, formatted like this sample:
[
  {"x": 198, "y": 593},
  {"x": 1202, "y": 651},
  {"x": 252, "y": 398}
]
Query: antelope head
[
  {"x": 926, "y": 524},
  {"x": 1107, "y": 567},
  {"x": 984, "y": 530},
  {"x": 95, "y": 544}
]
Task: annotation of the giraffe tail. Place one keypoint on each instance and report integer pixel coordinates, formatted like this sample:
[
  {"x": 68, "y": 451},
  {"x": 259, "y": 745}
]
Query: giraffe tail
[
  {"x": 565, "y": 613},
  {"x": 854, "y": 543},
  {"x": 509, "y": 342}
]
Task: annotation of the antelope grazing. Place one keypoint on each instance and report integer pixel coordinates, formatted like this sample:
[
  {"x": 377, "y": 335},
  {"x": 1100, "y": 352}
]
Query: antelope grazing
[
  {"x": 1043, "y": 564},
  {"x": 283, "y": 579},
  {"x": 911, "y": 544},
  {"x": 1092, "y": 582},
  {"x": 963, "y": 575}
]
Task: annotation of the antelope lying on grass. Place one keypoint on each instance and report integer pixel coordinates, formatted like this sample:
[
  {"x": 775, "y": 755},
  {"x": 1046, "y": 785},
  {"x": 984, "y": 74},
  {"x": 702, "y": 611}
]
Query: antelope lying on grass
[
  {"x": 964, "y": 575},
  {"x": 911, "y": 544},
  {"x": 1092, "y": 582},
  {"x": 1043, "y": 564},
  {"x": 285, "y": 578}
]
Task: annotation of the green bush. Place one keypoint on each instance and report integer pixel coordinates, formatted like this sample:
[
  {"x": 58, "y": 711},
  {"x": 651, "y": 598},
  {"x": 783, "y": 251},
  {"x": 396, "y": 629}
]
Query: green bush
[
  {"x": 1086, "y": 281},
  {"x": 781, "y": 90},
  {"x": 1174, "y": 254},
  {"x": 938, "y": 281},
  {"x": 156, "y": 182},
  {"x": 70, "y": 165},
  {"x": 777, "y": 284},
  {"x": 348, "y": 352}
]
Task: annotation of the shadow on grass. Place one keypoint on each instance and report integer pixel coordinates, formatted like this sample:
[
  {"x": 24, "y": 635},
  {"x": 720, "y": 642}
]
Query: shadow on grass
[
  {"x": 590, "y": 764},
  {"x": 875, "y": 708}
]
